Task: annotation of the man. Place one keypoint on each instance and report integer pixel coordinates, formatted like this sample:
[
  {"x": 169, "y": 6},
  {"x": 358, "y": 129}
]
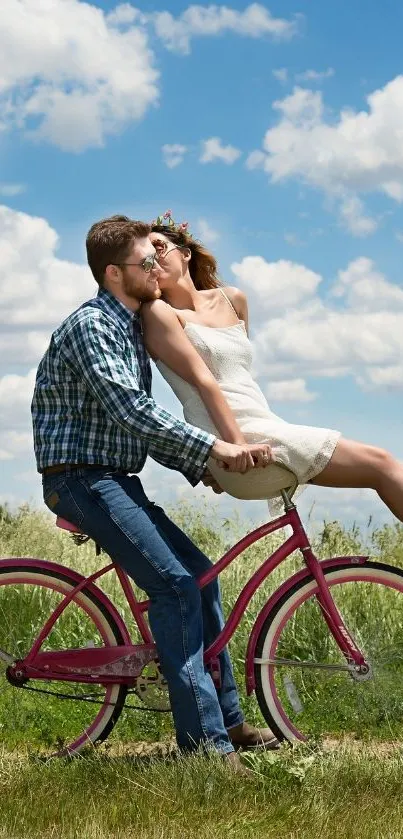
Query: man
[{"x": 94, "y": 423}]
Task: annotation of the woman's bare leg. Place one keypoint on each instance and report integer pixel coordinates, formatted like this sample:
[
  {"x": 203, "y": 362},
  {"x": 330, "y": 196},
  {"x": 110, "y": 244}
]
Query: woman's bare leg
[{"x": 358, "y": 465}]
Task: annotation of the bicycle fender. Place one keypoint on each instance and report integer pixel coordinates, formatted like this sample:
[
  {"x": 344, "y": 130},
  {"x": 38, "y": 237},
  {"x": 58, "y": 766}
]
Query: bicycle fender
[
  {"x": 273, "y": 600},
  {"x": 76, "y": 578}
]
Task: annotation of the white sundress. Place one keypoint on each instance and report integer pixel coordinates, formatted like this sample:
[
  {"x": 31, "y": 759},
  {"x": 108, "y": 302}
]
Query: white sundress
[{"x": 303, "y": 450}]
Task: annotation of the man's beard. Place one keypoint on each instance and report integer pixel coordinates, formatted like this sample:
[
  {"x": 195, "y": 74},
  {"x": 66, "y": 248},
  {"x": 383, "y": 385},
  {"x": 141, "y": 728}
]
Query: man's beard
[
  {"x": 141, "y": 295},
  {"x": 151, "y": 294}
]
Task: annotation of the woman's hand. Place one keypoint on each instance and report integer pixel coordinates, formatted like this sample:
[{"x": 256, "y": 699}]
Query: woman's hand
[
  {"x": 240, "y": 458},
  {"x": 261, "y": 453}
]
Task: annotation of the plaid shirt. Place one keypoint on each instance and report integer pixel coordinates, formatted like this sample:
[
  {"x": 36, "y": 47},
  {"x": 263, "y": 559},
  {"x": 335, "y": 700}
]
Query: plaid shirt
[{"x": 92, "y": 400}]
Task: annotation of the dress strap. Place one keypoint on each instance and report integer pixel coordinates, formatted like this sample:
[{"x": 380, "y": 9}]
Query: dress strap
[{"x": 229, "y": 301}]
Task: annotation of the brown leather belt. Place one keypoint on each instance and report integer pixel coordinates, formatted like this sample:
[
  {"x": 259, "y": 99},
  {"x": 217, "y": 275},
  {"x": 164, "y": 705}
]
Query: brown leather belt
[{"x": 65, "y": 467}]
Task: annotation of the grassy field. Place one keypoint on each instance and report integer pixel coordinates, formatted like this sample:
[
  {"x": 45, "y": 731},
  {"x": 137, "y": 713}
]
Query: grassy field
[
  {"x": 133, "y": 785},
  {"x": 335, "y": 794}
]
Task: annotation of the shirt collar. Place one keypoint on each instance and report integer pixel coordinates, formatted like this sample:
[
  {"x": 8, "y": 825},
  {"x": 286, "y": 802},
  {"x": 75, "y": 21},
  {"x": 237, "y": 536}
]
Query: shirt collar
[{"x": 110, "y": 303}]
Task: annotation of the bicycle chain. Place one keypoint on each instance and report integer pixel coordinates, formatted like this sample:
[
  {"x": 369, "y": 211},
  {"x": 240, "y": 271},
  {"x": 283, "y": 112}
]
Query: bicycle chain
[{"x": 96, "y": 701}]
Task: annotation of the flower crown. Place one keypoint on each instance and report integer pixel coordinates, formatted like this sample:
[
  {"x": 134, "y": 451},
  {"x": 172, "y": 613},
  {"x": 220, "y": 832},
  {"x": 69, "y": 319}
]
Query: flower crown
[{"x": 167, "y": 221}]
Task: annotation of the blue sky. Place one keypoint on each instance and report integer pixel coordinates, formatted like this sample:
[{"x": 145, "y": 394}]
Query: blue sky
[{"x": 276, "y": 131}]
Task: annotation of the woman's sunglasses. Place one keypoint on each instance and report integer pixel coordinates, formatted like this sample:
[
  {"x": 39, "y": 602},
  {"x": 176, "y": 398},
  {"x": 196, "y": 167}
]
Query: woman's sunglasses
[{"x": 163, "y": 248}]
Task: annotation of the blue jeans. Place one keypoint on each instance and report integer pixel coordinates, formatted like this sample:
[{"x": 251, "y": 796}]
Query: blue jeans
[{"x": 113, "y": 509}]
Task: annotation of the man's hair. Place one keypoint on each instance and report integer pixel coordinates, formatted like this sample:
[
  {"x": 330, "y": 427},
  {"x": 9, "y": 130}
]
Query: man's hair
[{"x": 110, "y": 241}]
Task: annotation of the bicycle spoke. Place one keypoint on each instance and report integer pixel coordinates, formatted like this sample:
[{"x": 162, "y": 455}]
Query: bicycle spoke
[
  {"x": 288, "y": 662},
  {"x": 305, "y": 684},
  {"x": 39, "y": 717},
  {"x": 9, "y": 659}
]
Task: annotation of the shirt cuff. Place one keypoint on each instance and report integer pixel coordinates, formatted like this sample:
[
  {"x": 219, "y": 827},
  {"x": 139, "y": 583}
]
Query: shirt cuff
[{"x": 195, "y": 468}]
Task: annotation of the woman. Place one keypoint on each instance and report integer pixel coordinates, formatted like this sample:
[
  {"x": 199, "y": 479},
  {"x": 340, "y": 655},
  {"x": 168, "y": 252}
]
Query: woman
[{"x": 197, "y": 335}]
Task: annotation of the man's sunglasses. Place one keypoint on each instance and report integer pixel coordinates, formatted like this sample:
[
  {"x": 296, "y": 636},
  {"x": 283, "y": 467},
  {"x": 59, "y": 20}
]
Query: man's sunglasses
[{"x": 147, "y": 264}]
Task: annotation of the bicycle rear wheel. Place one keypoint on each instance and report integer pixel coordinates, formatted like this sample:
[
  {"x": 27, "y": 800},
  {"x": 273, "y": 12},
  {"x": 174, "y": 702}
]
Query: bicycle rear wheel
[
  {"x": 303, "y": 685},
  {"x": 47, "y": 723}
]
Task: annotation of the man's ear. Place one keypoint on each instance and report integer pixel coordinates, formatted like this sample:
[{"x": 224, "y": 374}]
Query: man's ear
[{"x": 112, "y": 274}]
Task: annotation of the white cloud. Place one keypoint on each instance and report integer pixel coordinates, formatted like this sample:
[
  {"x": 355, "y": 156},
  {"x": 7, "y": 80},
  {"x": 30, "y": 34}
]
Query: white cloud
[
  {"x": 357, "y": 151},
  {"x": 10, "y": 190},
  {"x": 197, "y": 21},
  {"x": 289, "y": 390},
  {"x": 314, "y": 75},
  {"x": 14, "y": 443},
  {"x": 275, "y": 285},
  {"x": 70, "y": 75},
  {"x": 367, "y": 290},
  {"x": 255, "y": 160},
  {"x": 350, "y": 153},
  {"x": 173, "y": 154},
  {"x": 36, "y": 288},
  {"x": 21, "y": 346},
  {"x": 354, "y": 218},
  {"x": 15, "y": 393},
  {"x": 281, "y": 74},
  {"x": 73, "y": 74},
  {"x": 213, "y": 149},
  {"x": 40, "y": 300},
  {"x": 205, "y": 232},
  {"x": 124, "y": 15},
  {"x": 298, "y": 334},
  {"x": 15, "y": 399},
  {"x": 390, "y": 378}
]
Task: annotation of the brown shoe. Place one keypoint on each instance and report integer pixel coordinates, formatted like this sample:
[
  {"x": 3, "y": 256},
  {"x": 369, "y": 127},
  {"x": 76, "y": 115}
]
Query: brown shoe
[
  {"x": 245, "y": 736},
  {"x": 237, "y": 766}
]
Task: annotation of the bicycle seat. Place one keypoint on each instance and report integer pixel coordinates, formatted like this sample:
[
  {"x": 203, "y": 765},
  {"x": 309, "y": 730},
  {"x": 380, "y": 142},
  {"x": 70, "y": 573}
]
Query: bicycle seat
[
  {"x": 259, "y": 483},
  {"x": 67, "y": 525}
]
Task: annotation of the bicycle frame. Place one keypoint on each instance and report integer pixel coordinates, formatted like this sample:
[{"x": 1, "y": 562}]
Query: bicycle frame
[{"x": 123, "y": 663}]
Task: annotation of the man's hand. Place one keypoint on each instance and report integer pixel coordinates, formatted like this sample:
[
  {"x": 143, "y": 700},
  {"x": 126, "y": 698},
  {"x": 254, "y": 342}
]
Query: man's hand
[
  {"x": 240, "y": 458},
  {"x": 208, "y": 481}
]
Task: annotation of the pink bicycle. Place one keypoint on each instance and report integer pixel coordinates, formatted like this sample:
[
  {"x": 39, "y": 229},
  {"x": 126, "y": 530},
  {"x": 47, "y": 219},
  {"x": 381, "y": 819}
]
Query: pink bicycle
[{"x": 325, "y": 654}]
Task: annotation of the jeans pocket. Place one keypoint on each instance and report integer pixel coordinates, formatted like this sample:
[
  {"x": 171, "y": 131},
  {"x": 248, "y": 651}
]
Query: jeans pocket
[
  {"x": 51, "y": 486},
  {"x": 59, "y": 498}
]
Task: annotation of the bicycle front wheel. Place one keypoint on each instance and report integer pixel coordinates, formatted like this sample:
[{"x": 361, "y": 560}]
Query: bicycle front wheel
[
  {"x": 303, "y": 685},
  {"x": 46, "y": 722}
]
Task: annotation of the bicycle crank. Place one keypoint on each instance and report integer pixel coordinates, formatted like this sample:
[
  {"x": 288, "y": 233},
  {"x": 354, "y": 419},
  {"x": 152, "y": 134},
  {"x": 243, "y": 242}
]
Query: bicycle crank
[{"x": 152, "y": 688}]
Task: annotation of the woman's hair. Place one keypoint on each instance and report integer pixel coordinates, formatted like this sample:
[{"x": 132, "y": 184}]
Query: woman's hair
[{"x": 202, "y": 265}]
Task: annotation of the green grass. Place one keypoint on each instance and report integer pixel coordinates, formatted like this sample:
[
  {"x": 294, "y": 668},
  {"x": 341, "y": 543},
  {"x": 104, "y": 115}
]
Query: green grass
[
  {"x": 334, "y": 794},
  {"x": 343, "y": 788}
]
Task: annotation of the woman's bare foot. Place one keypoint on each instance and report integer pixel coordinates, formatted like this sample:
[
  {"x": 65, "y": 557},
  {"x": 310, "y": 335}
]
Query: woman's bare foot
[{"x": 234, "y": 762}]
